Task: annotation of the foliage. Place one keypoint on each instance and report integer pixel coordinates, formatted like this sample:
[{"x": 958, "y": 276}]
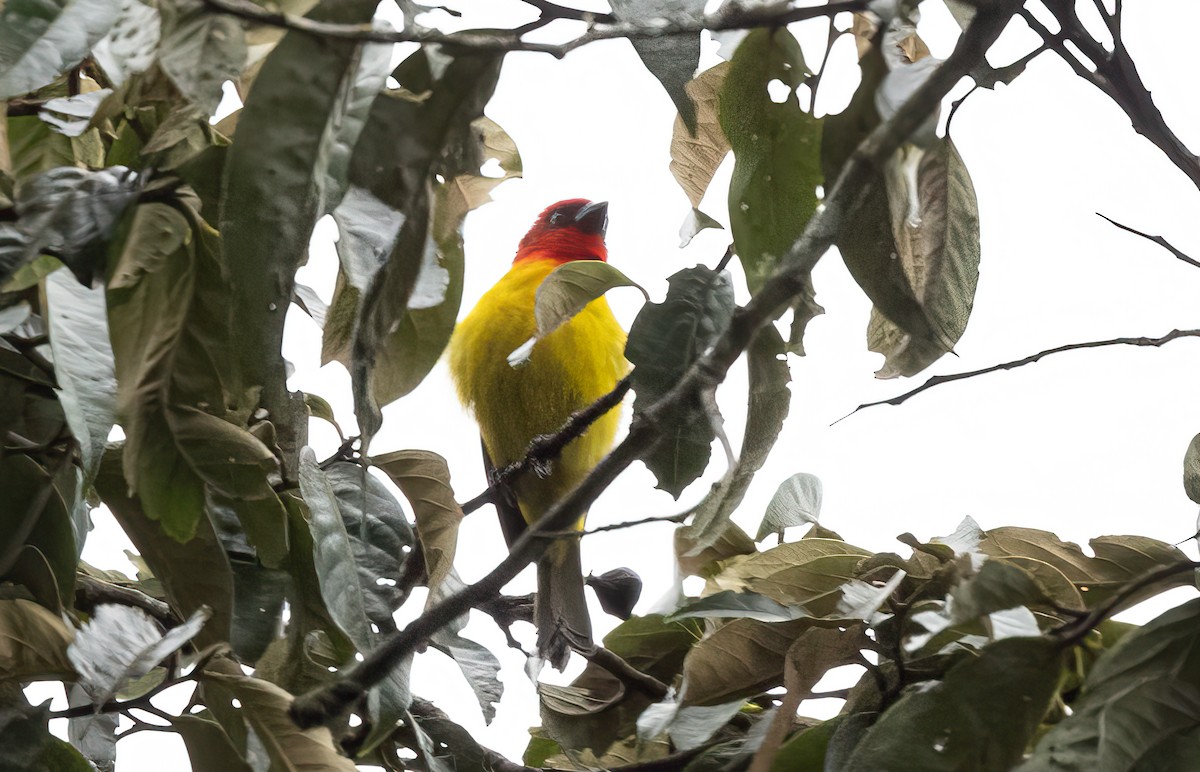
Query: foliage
[{"x": 181, "y": 239}]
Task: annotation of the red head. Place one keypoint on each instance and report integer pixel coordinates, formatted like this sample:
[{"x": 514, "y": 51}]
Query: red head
[{"x": 569, "y": 230}]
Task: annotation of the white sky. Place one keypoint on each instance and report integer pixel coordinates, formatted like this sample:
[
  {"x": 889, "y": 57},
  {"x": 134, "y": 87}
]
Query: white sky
[{"x": 1083, "y": 444}]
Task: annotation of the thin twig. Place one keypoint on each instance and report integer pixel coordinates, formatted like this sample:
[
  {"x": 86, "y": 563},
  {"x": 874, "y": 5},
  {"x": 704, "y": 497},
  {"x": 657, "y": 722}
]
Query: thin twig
[
  {"x": 1159, "y": 240},
  {"x": 546, "y": 448},
  {"x": 790, "y": 279},
  {"x": 730, "y": 17},
  {"x": 625, "y": 672},
  {"x": 1074, "y": 631},
  {"x": 938, "y": 380}
]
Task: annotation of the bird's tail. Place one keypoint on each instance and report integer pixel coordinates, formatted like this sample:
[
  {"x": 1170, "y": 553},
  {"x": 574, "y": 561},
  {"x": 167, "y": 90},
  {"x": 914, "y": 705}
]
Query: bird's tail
[{"x": 560, "y": 612}]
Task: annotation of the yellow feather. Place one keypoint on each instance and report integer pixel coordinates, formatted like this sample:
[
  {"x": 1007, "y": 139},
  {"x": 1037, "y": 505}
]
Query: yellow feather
[{"x": 569, "y": 369}]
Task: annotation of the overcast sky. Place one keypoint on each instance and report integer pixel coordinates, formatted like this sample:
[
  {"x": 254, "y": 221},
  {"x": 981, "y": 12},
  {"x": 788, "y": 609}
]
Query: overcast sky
[{"x": 1083, "y": 444}]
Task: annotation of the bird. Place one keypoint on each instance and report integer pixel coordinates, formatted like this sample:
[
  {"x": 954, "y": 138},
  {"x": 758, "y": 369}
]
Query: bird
[{"x": 568, "y": 369}]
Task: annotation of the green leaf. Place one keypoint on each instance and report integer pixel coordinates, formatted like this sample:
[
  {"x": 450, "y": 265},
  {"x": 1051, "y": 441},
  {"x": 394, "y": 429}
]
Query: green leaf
[
  {"x": 69, "y": 213},
  {"x": 768, "y": 207},
  {"x": 672, "y": 59},
  {"x": 274, "y": 185},
  {"x": 797, "y": 501},
  {"x": 83, "y": 364},
  {"x": 867, "y": 247},
  {"x": 412, "y": 350},
  {"x": 41, "y": 40},
  {"x": 180, "y": 138},
  {"x": 980, "y": 717},
  {"x": 194, "y": 574},
  {"x": 160, "y": 365},
  {"x": 805, "y": 750},
  {"x": 809, "y": 572},
  {"x": 935, "y": 224},
  {"x": 424, "y": 478},
  {"x": 478, "y": 665},
  {"x": 332, "y": 555},
  {"x": 768, "y": 405},
  {"x": 441, "y": 136},
  {"x": 596, "y": 709},
  {"x": 1191, "y": 470},
  {"x": 566, "y": 291},
  {"x": 380, "y": 536},
  {"x": 33, "y": 642},
  {"x": 344, "y": 597},
  {"x": 27, "y": 745},
  {"x": 50, "y": 530},
  {"x": 664, "y": 340},
  {"x": 729, "y": 604},
  {"x": 208, "y": 745},
  {"x": 700, "y": 562},
  {"x": 34, "y": 147},
  {"x": 696, "y": 156},
  {"x": 1117, "y": 561},
  {"x": 265, "y": 709},
  {"x": 1140, "y": 705},
  {"x": 199, "y": 52},
  {"x": 738, "y": 660}
]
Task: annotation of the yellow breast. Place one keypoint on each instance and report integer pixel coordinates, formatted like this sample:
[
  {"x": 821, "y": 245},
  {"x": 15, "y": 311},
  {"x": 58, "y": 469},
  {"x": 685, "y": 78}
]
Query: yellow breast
[{"x": 569, "y": 369}]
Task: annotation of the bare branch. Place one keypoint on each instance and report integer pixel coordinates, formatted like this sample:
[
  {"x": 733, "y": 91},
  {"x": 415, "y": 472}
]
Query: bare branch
[
  {"x": 1076, "y": 630},
  {"x": 625, "y": 672},
  {"x": 91, "y": 592},
  {"x": 790, "y": 279},
  {"x": 730, "y": 17},
  {"x": 938, "y": 380},
  {"x": 1159, "y": 240},
  {"x": 1116, "y": 75}
]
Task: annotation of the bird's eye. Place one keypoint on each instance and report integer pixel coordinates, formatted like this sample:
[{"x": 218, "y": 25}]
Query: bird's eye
[{"x": 556, "y": 218}]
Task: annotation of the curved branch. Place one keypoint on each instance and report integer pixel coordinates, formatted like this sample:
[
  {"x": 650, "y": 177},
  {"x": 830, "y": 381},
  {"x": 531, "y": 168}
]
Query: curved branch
[
  {"x": 1159, "y": 240},
  {"x": 777, "y": 294},
  {"x": 938, "y": 380}
]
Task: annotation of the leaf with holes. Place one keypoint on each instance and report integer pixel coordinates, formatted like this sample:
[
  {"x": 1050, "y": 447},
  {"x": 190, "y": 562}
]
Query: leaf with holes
[{"x": 768, "y": 206}]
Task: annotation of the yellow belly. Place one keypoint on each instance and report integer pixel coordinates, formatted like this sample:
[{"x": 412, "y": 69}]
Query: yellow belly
[{"x": 569, "y": 369}]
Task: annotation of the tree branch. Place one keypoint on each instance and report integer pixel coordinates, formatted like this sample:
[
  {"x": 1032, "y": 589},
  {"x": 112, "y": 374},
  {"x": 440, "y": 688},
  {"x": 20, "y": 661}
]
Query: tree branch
[
  {"x": 1159, "y": 240},
  {"x": 546, "y": 448},
  {"x": 1116, "y": 75},
  {"x": 1074, "y": 631},
  {"x": 91, "y": 592},
  {"x": 730, "y": 17},
  {"x": 938, "y": 380},
  {"x": 776, "y": 295},
  {"x": 625, "y": 672}
]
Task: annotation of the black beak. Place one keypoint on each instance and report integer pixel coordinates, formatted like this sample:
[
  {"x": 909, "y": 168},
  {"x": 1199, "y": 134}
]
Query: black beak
[{"x": 593, "y": 218}]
